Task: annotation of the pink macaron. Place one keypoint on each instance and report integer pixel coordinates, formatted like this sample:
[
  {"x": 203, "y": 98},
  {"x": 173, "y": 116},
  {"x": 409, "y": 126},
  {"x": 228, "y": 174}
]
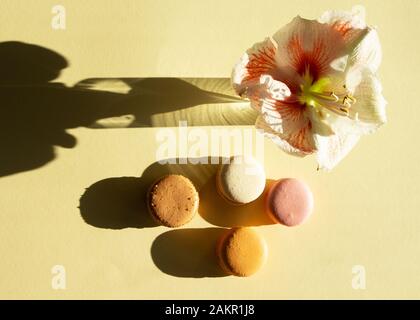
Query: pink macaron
[{"x": 289, "y": 202}]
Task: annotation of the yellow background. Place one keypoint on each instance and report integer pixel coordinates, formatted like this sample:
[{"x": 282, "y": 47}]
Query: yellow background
[{"x": 367, "y": 208}]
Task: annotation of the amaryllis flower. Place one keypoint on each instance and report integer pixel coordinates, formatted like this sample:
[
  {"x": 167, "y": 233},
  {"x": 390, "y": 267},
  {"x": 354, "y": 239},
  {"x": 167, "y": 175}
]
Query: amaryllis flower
[{"x": 314, "y": 83}]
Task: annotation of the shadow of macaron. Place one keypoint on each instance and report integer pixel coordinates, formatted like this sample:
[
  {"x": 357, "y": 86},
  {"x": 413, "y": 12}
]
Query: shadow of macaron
[
  {"x": 120, "y": 202},
  {"x": 188, "y": 253},
  {"x": 217, "y": 211},
  {"x": 116, "y": 203}
]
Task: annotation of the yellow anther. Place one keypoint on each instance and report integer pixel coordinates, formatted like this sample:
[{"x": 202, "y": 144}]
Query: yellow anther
[
  {"x": 334, "y": 96},
  {"x": 348, "y": 100},
  {"x": 345, "y": 110}
]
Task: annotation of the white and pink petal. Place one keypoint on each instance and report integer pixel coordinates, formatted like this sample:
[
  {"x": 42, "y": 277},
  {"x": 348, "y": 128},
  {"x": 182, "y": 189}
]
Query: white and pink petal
[
  {"x": 369, "y": 110},
  {"x": 367, "y": 49},
  {"x": 277, "y": 138},
  {"x": 332, "y": 149},
  {"x": 367, "y": 54},
  {"x": 354, "y": 19},
  {"x": 257, "y": 61},
  {"x": 290, "y": 125},
  {"x": 308, "y": 45}
]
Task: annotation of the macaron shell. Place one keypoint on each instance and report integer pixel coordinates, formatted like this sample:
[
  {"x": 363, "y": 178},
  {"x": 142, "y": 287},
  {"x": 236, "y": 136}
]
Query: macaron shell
[
  {"x": 289, "y": 202},
  {"x": 220, "y": 189},
  {"x": 242, "y": 180},
  {"x": 220, "y": 251},
  {"x": 173, "y": 200},
  {"x": 242, "y": 252}
]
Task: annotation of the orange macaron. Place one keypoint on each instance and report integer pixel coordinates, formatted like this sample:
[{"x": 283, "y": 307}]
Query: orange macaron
[
  {"x": 241, "y": 251},
  {"x": 173, "y": 200}
]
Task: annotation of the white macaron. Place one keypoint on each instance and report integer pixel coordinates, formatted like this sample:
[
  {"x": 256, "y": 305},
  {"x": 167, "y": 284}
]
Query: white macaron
[{"x": 241, "y": 180}]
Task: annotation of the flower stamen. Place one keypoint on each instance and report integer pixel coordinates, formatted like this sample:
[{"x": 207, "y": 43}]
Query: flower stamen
[
  {"x": 334, "y": 96},
  {"x": 313, "y": 94}
]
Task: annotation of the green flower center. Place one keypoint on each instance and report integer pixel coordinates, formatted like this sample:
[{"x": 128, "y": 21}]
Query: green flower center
[{"x": 318, "y": 95}]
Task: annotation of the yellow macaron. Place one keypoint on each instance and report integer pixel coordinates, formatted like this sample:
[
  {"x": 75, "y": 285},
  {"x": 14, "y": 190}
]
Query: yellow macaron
[{"x": 242, "y": 251}]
